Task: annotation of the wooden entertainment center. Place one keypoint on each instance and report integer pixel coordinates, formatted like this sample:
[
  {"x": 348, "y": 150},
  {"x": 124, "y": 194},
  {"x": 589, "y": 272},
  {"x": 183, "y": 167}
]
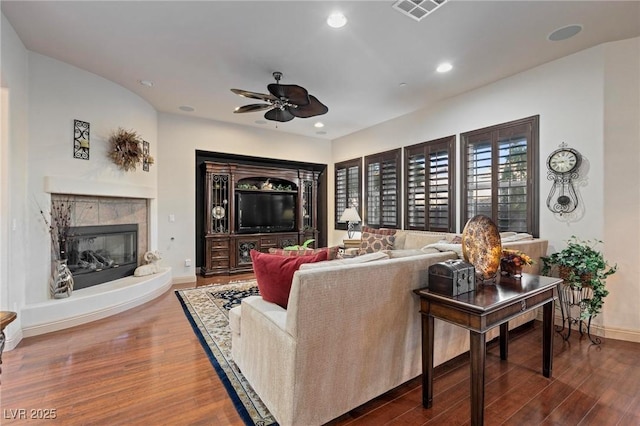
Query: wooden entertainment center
[{"x": 254, "y": 208}]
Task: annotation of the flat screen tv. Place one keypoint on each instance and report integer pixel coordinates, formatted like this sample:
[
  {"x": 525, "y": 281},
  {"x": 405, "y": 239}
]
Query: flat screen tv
[{"x": 265, "y": 212}]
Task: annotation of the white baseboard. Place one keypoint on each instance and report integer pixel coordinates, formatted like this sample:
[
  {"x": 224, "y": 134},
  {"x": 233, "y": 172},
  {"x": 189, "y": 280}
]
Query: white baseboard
[
  {"x": 602, "y": 331},
  {"x": 12, "y": 340}
]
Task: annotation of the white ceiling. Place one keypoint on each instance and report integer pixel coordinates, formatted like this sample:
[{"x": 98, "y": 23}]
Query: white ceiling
[{"x": 195, "y": 51}]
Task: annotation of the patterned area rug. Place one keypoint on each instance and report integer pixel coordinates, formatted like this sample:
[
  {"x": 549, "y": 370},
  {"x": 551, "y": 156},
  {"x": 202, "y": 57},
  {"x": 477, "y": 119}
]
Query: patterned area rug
[{"x": 207, "y": 309}]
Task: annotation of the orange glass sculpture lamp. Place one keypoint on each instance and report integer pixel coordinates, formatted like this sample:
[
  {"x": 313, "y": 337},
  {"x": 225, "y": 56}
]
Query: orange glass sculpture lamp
[
  {"x": 482, "y": 247},
  {"x": 512, "y": 261}
]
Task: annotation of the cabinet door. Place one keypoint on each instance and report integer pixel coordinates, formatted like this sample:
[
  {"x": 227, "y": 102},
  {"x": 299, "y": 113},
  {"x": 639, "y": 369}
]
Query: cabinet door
[
  {"x": 243, "y": 249},
  {"x": 286, "y": 240}
]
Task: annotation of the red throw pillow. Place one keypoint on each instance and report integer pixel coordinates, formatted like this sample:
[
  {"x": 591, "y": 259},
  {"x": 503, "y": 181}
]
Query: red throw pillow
[{"x": 275, "y": 274}]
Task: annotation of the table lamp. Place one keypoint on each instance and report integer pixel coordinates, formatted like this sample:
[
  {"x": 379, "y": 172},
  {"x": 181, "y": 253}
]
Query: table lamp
[{"x": 351, "y": 216}]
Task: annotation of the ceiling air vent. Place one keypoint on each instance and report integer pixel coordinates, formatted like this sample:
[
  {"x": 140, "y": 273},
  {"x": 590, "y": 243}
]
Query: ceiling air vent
[{"x": 417, "y": 9}]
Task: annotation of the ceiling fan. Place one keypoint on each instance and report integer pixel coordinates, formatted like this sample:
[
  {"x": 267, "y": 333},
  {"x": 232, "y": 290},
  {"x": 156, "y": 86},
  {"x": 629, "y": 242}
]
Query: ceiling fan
[{"x": 285, "y": 102}]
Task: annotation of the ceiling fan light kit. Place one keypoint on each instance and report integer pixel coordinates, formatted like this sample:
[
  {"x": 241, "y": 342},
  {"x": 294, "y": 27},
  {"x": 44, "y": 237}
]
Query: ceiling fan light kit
[{"x": 284, "y": 102}]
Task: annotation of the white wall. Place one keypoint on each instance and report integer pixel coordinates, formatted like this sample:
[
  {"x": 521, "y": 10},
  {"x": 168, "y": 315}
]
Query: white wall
[
  {"x": 569, "y": 96},
  {"x": 621, "y": 203},
  {"x": 179, "y": 138},
  {"x": 14, "y": 141},
  {"x": 58, "y": 94}
]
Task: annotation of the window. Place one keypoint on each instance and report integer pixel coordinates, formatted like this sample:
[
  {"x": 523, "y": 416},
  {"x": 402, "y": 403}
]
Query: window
[
  {"x": 348, "y": 188},
  {"x": 382, "y": 189},
  {"x": 500, "y": 175},
  {"x": 429, "y": 176}
]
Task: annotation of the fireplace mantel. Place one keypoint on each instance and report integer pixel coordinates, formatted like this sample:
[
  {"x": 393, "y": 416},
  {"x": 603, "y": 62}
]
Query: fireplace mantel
[{"x": 74, "y": 186}]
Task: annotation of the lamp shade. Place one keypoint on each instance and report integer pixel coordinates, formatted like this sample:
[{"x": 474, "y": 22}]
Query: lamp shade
[{"x": 350, "y": 215}]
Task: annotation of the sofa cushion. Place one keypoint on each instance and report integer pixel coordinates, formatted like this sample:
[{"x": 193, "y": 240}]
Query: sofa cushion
[
  {"x": 444, "y": 246},
  {"x": 396, "y": 254},
  {"x": 332, "y": 252},
  {"x": 369, "y": 257},
  {"x": 417, "y": 240},
  {"x": 506, "y": 237},
  {"x": 274, "y": 273}
]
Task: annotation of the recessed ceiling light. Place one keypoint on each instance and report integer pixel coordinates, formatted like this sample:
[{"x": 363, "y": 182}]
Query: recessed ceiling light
[
  {"x": 565, "y": 32},
  {"x": 186, "y": 108},
  {"x": 147, "y": 83},
  {"x": 337, "y": 20},
  {"x": 321, "y": 132},
  {"x": 319, "y": 124},
  {"x": 444, "y": 67},
  {"x": 403, "y": 84}
]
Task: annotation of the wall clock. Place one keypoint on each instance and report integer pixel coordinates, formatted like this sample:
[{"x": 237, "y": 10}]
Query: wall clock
[{"x": 563, "y": 165}]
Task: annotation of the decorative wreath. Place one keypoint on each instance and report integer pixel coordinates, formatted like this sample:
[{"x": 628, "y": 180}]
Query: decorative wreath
[{"x": 126, "y": 149}]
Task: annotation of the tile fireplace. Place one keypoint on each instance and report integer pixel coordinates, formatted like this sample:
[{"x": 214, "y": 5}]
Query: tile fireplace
[{"x": 108, "y": 238}]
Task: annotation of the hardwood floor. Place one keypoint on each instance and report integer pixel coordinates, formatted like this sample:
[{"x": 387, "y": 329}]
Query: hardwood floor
[{"x": 146, "y": 366}]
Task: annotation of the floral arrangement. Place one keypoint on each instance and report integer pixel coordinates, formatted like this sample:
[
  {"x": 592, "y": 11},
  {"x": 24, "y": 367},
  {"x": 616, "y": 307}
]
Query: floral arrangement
[
  {"x": 516, "y": 257},
  {"x": 58, "y": 227}
]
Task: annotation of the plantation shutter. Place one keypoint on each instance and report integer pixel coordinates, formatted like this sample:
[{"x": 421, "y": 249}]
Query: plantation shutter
[
  {"x": 430, "y": 200},
  {"x": 383, "y": 189},
  {"x": 500, "y": 175},
  {"x": 348, "y": 188}
]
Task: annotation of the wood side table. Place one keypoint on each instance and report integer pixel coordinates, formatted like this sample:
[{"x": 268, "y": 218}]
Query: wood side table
[{"x": 479, "y": 311}]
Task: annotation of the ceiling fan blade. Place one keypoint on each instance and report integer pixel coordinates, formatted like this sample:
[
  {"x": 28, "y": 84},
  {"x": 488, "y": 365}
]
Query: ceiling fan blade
[
  {"x": 315, "y": 107},
  {"x": 278, "y": 114},
  {"x": 294, "y": 93},
  {"x": 253, "y": 95},
  {"x": 252, "y": 108}
]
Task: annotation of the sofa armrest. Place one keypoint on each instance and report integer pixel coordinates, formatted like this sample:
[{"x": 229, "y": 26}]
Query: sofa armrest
[{"x": 265, "y": 348}]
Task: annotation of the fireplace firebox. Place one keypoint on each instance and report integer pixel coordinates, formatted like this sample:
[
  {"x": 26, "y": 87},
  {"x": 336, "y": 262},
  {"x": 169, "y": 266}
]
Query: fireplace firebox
[{"x": 98, "y": 254}]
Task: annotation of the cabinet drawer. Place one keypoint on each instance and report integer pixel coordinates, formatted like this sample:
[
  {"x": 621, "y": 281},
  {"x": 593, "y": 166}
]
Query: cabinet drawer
[
  {"x": 268, "y": 241},
  {"x": 219, "y": 253},
  {"x": 219, "y": 244},
  {"x": 219, "y": 263}
]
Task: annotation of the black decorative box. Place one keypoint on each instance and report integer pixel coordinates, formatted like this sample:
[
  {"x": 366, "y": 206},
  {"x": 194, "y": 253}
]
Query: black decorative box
[{"x": 452, "y": 277}]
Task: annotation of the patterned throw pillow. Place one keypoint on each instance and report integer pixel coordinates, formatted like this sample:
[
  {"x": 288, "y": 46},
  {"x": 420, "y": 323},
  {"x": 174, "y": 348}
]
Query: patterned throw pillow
[
  {"x": 376, "y": 242},
  {"x": 332, "y": 252}
]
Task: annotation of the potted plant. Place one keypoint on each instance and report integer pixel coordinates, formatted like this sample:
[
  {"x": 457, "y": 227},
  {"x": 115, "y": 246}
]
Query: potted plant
[{"x": 581, "y": 265}]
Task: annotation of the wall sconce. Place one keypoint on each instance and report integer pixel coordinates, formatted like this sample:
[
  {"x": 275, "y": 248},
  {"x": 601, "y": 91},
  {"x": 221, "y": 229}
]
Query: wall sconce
[{"x": 351, "y": 216}]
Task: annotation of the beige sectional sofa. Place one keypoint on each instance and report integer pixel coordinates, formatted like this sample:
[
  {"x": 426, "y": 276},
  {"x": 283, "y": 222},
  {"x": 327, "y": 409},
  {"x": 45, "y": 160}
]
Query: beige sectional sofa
[{"x": 351, "y": 331}]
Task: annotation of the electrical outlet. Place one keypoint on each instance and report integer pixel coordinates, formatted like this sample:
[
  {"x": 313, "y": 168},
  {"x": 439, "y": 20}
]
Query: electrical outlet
[{"x": 187, "y": 262}]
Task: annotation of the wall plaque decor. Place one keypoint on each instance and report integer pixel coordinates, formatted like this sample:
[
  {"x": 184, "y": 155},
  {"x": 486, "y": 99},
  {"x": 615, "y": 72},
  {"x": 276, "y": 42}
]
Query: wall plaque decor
[
  {"x": 80, "y": 139},
  {"x": 145, "y": 156}
]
